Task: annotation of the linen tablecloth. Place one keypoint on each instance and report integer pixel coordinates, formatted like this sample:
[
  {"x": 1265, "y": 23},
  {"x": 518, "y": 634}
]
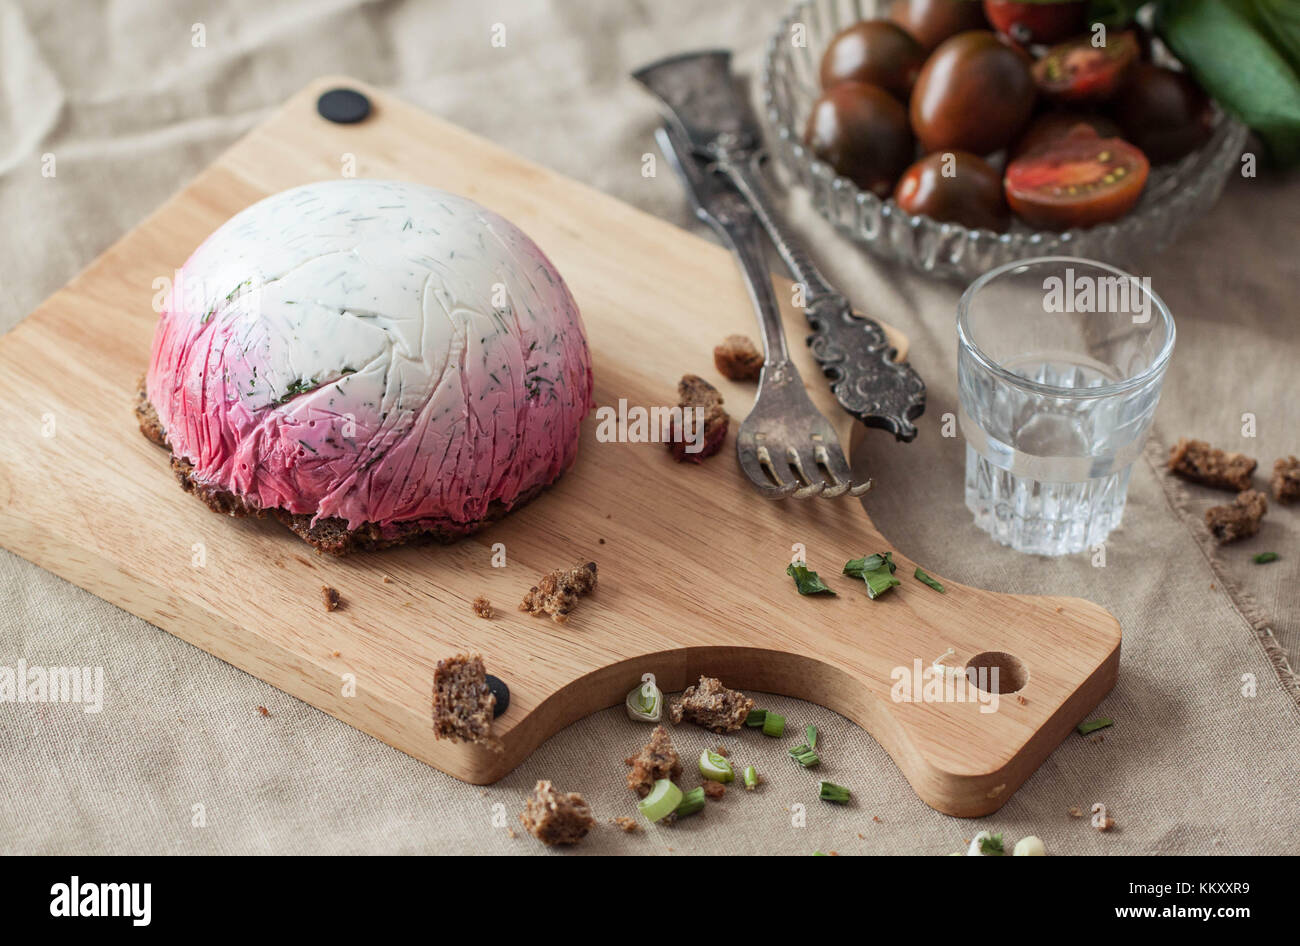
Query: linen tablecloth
[{"x": 131, "y": 104}]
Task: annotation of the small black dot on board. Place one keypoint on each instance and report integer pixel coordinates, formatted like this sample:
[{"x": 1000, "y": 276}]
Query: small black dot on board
[
  {"x": 343, "y": 106},
  {"x": 501, "y": 692}
]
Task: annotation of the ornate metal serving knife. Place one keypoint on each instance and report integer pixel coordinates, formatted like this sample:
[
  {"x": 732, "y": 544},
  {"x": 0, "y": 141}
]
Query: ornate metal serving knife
[{"x": 706, "y": 110}]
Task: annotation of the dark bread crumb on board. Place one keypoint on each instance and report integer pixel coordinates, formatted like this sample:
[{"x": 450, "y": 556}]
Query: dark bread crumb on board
[
  {"x": 331, "y": 597},
  {"x": 463, "y": 703},
  {"x": 714, "y": 790},
  {"x": 693, "y": 391},
  {"x": 555, "y": 818},
  {"x": 557, "y": 593},
  {"x": 738, "y": 358},
  {"x": 1239, "y": 519},
  {"x": 711, "y": 705},
  {"x": 657, "y": 759},
  {"x": 263, "y": 711},
  {"x": 1197, "y": 461},
  {"x": 625, "y": 824},
  {"x": 1286, "y": 480},
  {"x": 482, "y": 607}
]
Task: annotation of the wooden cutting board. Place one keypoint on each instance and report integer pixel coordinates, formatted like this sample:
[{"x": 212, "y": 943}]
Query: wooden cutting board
[{"x": 692, "y": 563}]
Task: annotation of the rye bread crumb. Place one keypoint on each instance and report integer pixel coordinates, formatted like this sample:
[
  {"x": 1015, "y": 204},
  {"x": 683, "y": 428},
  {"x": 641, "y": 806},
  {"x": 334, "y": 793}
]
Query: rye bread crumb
[
  {"x": 714, "y": 790},
  {"x": 482, "y": 607},
  {"x": 1239, "y": 519},
  {"x": 263, "y": 711},
  {"x": 711, "y": 705},
  {"x": 1286, "y": 480},
  {"x": 1197, "y": 461},
  {"x": 554, "y": 818},
  {"x": 625, "y": 824},
  {"x": 693, "y": 391},
  {"x": 657, "y": 759},
  {"x": 329, "y": 535},
  {"x": 557, "y": 593},
  {"x": 331, "y": 598},
  {"x": 721, "y": 750},
  {"x": 738, "y": 359},
  {"x": 463, "y": 704}
]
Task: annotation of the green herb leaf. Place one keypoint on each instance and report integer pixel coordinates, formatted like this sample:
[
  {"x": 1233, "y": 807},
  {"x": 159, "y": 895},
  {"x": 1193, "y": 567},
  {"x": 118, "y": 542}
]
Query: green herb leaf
[
  {"x": 1263, "y": 558},
  {"x": 921, "y": 576},
  {"x": 992, "y": 845},
  {"x": 1224, "y": 47},
  {"x": 857, "y": 567},
  {"x": 1101, "y": 722},
  {"x": 807, "y": 581},
  {"x": 879, "y": 581}
]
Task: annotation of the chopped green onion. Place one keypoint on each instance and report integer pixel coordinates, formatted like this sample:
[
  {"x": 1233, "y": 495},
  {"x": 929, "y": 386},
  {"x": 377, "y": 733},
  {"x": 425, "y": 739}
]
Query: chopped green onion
[
  {"x": 755, "y": 718},
  {"x": 820, "y": 854},
  {"x": 715, "y": 767},
  {"x": 921, "y": 576},
  {"x": 751, "y": 778},
  {"x": 692, "y": 802},
  {"x": 774, "y": 725},
  {"x": 811, "y": 731},
  {"x": 858, "y": 567},
  {"x": 991, "y": 846},
  {"x": 805, "y": 756},
  {"x": 1101, "y": 722},
  {"x": 829, "y": 791},
  {"x": 807, "y": 582},
  {"x": 1263, "y": 558},
  {"x": 644, "y": 704},
  {"x": 663, "y": 799}
]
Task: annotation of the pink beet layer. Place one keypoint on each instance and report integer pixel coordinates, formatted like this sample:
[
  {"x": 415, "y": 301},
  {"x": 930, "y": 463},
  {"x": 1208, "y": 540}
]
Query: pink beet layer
[{"x": 374, "y": 351}]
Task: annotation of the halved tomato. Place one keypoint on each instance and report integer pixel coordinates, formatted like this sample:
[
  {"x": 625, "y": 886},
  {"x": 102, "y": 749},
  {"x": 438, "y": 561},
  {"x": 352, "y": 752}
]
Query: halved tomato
[
  {"x": 1078, "y": 71},
  {"x": 1036, "y": 22},
  {"x": 1080, "y": 181}
]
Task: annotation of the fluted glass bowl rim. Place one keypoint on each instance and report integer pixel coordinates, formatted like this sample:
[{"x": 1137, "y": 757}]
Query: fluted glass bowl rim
[{"x": 1022, "y": 242}]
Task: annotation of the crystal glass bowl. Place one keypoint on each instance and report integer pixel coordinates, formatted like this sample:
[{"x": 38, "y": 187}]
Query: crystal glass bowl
[{"x": 1175, "y": 194}]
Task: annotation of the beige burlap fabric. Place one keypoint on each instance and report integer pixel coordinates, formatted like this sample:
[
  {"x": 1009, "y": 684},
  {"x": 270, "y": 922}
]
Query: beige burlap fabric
[{"x": 131, "y": 109}]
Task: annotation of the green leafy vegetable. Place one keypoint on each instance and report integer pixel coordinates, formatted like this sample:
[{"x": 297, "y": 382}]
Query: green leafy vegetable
[
  {"x": 921, "y": 576},
  {"x": 1101, "y": 722},
  {"x": 1263, "y": 558},
  {"x": 807, "y": 581},
  {"x": 1223, "y": 44}
]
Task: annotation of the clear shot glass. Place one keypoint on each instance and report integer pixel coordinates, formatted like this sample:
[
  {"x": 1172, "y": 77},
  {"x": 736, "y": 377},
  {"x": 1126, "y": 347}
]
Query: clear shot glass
[{"x": 1059, "y": 367}]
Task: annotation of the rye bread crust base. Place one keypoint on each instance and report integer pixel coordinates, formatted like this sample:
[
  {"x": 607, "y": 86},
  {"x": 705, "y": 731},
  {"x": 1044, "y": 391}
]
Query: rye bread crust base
[{"x": 330, "y": 535}]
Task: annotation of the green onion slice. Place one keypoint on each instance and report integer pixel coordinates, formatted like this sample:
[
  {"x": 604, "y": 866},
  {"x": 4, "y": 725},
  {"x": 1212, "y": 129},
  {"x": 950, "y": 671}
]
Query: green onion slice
[
  {"x": 692, "y": 802},
  {"x": 756, "y": 718},
  {"x": 807, "y": 582},
  {"x": 715, "y": 767},
  {"x": 1263, "y": 558},
  {"x": 829, "y": 791},
  {"x": 921, "y": 576},
  {"x": 805, "y": 756},
  {"x": 751, "y": 778},
  {"x": 811, "y": 731},
  {"x": 645, "y": 703},
  {"x": 663, "y": 799},
  {"x": 1101, "y": 722},
  {"x": 774, "y": 725}
]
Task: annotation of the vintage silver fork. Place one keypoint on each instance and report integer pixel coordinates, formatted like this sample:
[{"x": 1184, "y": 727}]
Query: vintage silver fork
[{"x": 785, "y": 446}]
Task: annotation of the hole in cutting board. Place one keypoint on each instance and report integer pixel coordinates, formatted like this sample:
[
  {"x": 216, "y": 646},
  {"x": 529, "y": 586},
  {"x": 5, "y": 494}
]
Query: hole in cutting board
[{"x": 1011, "y": 677}]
